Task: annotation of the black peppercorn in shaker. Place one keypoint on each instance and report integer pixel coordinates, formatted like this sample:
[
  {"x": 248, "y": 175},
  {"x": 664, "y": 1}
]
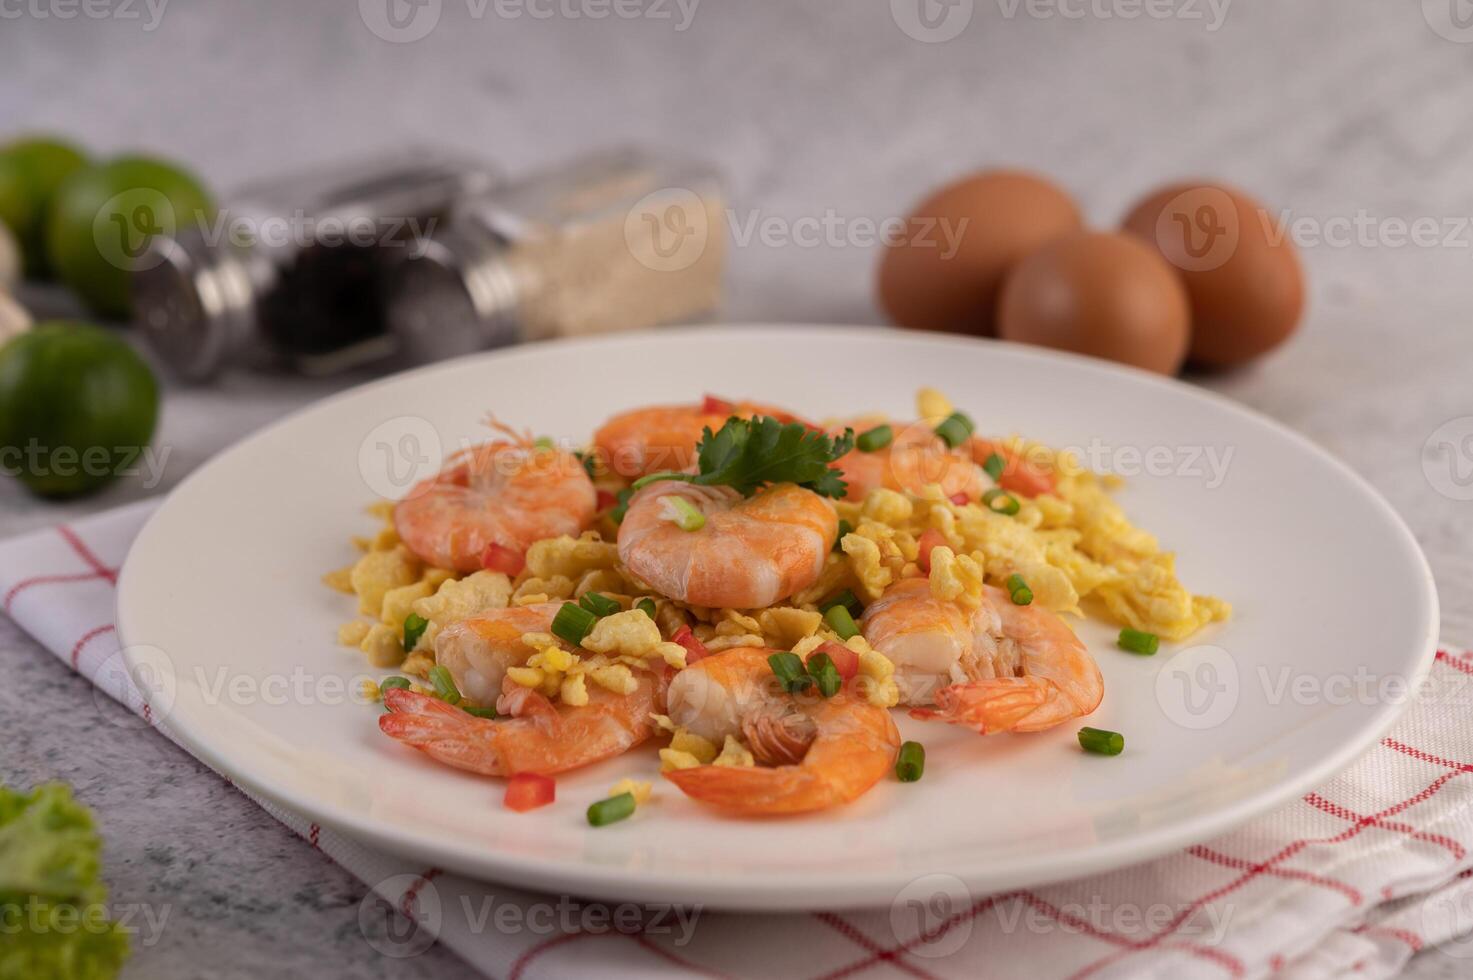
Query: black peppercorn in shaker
[{"x": 293, "y": 272}]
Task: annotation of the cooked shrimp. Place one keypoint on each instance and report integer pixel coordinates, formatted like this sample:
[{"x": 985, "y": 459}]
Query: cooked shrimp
[
  {"x": 817, "y": 752},
  {"x": 478, "y": 651},
  {"x": 751, "y": 552},
  {"x": 507, "y": 494},
  {"x": 997, "y": 668},
  {"x": 915, "y": 457},
  {"x": 663, "y": 438},
  {"x": 538, "y": 737}
]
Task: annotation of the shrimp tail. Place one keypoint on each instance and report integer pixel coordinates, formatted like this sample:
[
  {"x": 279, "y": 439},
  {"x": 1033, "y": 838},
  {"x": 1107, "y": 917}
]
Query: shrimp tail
[
  {"x": 1005, "y": 704},
  {"x": 441, "y": 731}
]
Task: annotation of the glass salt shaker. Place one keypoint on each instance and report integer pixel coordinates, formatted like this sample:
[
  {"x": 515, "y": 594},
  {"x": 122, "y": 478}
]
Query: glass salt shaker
[
  {"x": 293, "y": 270},
  {"x": 613, "y": 241}
]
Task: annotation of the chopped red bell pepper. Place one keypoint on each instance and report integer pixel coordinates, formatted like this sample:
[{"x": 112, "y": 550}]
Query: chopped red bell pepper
[
  {"x": 846, "y": 661},
  {"x": 959, "y": 498},
  {"x": 928, "y": 540},
  {"x": 712, "y": 405},
  {"x": 603, "y": 500},
  {"x": 1019, "y": 475},
  {"x": 499, "y": 558},
  {"x": 527, "y": 791},
  {"x": 694, "y": 648}
]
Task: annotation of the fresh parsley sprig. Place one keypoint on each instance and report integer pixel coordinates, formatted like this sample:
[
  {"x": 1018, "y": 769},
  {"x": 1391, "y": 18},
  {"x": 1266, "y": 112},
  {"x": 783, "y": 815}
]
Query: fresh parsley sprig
[{"x": 748, "y": 454}]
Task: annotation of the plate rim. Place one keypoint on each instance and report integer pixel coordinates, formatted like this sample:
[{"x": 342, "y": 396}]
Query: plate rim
[{"x": 786, "y": 891}]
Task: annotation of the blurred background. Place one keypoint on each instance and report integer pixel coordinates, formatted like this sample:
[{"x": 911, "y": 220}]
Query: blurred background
[{"x": 1347, "y": 123}]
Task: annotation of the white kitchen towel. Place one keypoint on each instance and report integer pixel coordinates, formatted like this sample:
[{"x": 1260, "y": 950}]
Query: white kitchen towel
[{"x": 1355, "y": 876}]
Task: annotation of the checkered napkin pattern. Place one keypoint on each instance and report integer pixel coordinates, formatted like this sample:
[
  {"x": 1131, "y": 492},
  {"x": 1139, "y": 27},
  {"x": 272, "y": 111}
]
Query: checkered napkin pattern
[{"x": 1354, "y": 877}]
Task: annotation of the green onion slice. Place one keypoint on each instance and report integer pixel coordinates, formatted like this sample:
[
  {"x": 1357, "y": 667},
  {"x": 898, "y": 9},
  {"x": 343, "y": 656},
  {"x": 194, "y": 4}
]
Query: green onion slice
[
  {"x": 821, "y": 668},
  {"x": 847, "y": 599},
  {"x": 390, "y": 683},
  {"x": 994, "y": 465},
  {"x": 1139, "y": 641},
  {"x": 1000, "y": 502},
  {"x": 840, "y": 622},
  {"x": 911, "y": 762},
  {"x": 479, "y": 712},
  {"x": 645, "y": 481},
  {"x": 954, "y": 429},
  {"x": 873, "y": 440},
  {"x": 444, "y": 684},
  {"x": 611, "y": 810},
  {"x": 599, "y": 605},
  {"x": 646, "y": 606},
  {"x": 844, "y": 528},
  {"x": 1101, "y": 742},
  {"x": 683, "y": 513},
  {"x": 788, "y": 669},
  {"x": 573, "y": 623},
  {"x": 414, "y": 628},
  {"x": 621, "y": 505}
]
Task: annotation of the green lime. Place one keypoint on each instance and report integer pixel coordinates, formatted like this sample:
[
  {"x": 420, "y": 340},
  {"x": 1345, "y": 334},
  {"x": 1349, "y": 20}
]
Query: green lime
[
  {"x": 77, "y": 406},
  {"x": 30, "y": 172},
  {"x": 104, "y": 216}
]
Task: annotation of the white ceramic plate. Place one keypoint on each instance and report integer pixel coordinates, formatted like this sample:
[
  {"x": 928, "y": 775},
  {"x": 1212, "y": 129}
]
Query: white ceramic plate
[{"x": 1334, "y": 607}]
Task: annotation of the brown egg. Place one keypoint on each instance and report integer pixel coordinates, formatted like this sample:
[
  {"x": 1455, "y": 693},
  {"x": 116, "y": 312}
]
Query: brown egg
[
  {"x": 945, "y": 271},
  {"x": 1099, "y": 293},
  {"x": 1246, "y": 288}
]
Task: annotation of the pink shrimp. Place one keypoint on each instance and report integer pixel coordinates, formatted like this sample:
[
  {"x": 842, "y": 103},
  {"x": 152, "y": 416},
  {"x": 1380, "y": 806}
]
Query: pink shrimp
[
  {"x": 663, "y": 438},
  {"x": 915, "y": 457},
  {"x": 816, "y": 752},
  {"x": 537, "y": 737},
  {"x": 501, "y": 494},
  {"x": 997, "y": 668},
  {"x": 751, "y": 552},
  {"x": 480, "y": 649}
]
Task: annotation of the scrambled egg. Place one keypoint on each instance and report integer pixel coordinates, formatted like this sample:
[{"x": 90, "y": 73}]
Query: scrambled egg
[{"x": 1069, "y": 546}]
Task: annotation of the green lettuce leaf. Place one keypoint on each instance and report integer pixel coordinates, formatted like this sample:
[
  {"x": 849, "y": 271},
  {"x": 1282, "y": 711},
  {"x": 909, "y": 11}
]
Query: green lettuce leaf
[{"x": 54, "y": 923}]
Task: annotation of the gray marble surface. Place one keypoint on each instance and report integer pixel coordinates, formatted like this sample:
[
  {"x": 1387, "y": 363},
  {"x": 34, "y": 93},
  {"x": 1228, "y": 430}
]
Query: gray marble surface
[{"x": 1348, "y": 113}]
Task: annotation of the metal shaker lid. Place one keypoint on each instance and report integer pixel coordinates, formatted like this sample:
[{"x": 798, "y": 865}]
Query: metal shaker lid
[
  {"x": 194, "y": 303},
  {"x": 454, "y": 294}
]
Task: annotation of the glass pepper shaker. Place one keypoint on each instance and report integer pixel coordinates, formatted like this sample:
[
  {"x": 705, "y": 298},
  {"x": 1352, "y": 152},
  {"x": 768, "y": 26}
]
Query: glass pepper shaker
[
  {"x": 613, "y": 241},
  {"x": 293, "y": 271}
]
